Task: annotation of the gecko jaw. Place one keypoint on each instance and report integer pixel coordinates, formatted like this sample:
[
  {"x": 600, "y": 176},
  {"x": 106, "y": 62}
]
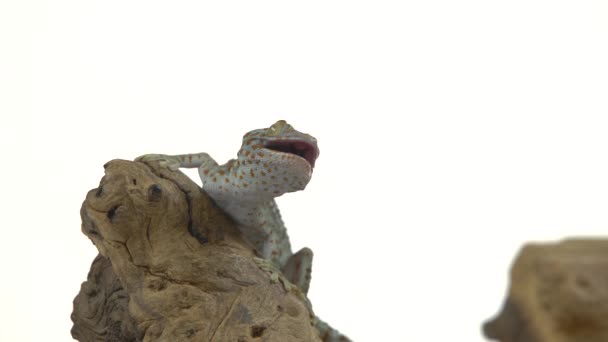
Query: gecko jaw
[{"x": 301, "y": 148}]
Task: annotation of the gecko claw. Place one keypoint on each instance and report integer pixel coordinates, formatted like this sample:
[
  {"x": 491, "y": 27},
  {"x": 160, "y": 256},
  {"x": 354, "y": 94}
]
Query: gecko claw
[
  {"x": 275, "y": 273},
  {"x": 164, "y": 161}
]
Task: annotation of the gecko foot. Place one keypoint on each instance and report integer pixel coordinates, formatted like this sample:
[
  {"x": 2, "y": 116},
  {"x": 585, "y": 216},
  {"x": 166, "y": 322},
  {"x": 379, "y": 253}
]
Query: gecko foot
[
  {"x": 170, "y": 162},
  {"x": 275, "y": 273}
]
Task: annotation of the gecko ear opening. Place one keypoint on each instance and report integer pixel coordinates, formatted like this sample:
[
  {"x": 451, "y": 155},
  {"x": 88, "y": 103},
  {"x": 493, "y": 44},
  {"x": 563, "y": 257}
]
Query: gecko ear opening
[{"x": 303, "y": 149}]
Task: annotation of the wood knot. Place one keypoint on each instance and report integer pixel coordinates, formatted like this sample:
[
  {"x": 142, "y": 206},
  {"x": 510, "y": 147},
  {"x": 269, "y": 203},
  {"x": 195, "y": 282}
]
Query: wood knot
[
  {"x": 257, "y": 330},
  {"x": 154, "y": 193},
  {"x": 112, "y": 213}
]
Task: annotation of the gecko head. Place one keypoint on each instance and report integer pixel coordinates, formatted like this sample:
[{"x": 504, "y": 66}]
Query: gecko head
[{"x": 280, "y": 154}]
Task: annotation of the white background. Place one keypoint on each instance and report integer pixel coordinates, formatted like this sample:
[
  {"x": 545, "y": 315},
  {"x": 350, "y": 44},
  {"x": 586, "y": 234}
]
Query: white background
[{"x": 451, "y": 132}]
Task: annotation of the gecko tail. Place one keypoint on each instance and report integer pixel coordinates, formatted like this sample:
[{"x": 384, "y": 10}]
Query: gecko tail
[{"x": 329, "y": 334}]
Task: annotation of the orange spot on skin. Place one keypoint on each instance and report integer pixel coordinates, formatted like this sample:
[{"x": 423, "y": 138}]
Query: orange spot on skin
[
  {"x": 247, "y": 153},
  {"x": 226, "y": 180},
  {"x": 206, "y": 171},
  {"x": 251, "y": 173},
  {"x": 214, "y": 179},
  {"x": 257, "y": 162},
  {"x": 221, "y": 172},
  {"x": 241, "y": 177},
  {"x": 261, "y": 154},
  {"x": 255, "y": 147},
  {"x": 263, "y": 173},
  {"x": 245, "y": 185}
]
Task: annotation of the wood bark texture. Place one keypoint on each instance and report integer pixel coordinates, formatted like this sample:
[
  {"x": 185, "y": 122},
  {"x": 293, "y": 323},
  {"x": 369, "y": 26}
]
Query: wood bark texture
[
  {"x": 173, "y": 267},
  {"x": 558, "y": 293}
]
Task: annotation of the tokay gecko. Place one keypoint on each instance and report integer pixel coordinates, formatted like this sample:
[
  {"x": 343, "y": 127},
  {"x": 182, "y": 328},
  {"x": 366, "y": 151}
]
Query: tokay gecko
[{"x": 271, "y": 162}]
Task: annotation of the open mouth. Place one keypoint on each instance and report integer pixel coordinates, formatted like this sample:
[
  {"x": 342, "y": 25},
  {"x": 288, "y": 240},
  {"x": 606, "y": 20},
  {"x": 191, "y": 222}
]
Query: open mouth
[{"x": 303, "y": 149}]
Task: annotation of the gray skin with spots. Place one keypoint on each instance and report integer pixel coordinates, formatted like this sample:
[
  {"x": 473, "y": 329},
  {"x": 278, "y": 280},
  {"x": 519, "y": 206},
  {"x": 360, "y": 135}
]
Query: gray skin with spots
[{"x": 271, "y": 162}]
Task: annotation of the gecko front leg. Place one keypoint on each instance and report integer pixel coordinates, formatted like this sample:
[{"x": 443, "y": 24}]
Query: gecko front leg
[
  {"x": 173, "y": 162},
  {"x": 275, "y": 273}
]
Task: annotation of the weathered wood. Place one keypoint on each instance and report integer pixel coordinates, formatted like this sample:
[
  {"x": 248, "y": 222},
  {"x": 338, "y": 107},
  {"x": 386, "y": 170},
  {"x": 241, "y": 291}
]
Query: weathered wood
[
  {"x": 180, "y": 270},
  {"x": 559, "y": 293}
]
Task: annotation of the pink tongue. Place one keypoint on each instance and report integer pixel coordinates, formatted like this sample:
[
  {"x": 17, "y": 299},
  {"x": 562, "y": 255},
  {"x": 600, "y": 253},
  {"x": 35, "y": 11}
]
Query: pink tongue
[{"x": 299, "y": 146}]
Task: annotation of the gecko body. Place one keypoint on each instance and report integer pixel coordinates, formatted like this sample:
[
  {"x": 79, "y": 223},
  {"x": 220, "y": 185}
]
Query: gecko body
[{"x": 270, "y": 163}]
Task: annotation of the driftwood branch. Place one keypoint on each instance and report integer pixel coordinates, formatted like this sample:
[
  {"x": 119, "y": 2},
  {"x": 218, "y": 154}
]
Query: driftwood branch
[
  {"x": 173, "y": 267},
  {"x": 559, "y": 293}
]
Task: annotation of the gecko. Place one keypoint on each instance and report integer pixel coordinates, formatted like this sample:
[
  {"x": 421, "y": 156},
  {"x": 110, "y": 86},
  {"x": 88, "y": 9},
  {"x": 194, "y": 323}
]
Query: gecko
[{"x": 271, "y": 162}]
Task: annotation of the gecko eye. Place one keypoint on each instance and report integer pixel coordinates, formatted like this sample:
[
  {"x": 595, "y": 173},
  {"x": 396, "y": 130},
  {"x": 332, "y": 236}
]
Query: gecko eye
[
  {"x": 272, "y": 132},
  {"x": 277, "y": 128}
]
